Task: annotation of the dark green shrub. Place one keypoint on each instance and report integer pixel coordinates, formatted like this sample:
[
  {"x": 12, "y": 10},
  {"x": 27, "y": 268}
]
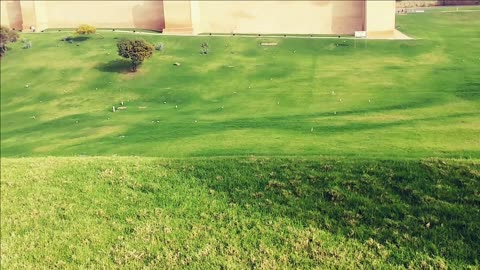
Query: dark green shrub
[
  {"x": 136, "y": 50},
  {"x": 6, "y": 36}
]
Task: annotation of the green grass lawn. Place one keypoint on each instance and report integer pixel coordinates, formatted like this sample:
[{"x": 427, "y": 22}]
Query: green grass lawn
[
  {"x": 222, "y": 165},
  {"x": 239, "y": 213},
  {"x": 387, "y": 99}
]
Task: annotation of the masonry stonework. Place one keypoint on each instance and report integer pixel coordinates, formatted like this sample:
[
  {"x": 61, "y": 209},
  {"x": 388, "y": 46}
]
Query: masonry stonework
[{"x": 200, "y": 16}]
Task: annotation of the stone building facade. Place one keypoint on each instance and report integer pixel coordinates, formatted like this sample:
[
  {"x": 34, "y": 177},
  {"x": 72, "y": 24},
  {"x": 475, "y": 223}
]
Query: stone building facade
[{"x": 201, "y": 16}]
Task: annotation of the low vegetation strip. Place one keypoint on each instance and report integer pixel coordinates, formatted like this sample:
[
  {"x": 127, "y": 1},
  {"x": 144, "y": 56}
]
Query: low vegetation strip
[{"x": 239, "y": 213}]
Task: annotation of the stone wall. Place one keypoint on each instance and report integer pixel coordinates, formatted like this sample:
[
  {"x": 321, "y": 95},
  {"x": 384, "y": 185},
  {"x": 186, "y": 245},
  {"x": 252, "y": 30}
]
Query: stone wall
[
  {"x": 11, "y": 14},
  {"x": 412, "y": 4},
  {"x": 202, "y": 16},
  {"x": 281, "y": 17},
  {"x": 70, "y": 14}
]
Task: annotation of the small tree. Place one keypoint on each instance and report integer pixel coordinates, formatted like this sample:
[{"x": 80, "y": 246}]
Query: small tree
[
  {"x": 204, "y": 48},
  {"x": 86, "y": 29},
  {"x": 27, "y": 44},
  {"x": 136, "y": 50},
  {"x": 6, "y": 35}
]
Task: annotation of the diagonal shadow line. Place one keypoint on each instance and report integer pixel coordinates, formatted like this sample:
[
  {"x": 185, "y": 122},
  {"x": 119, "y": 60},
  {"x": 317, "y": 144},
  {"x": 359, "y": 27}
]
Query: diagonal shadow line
[{"x": 332, "y": 191}]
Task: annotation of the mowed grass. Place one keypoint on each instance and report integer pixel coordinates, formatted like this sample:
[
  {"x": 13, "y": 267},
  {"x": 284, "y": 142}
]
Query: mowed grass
[
  {"x": 380, "y": 111},
  {"x": 381, "y": 99},
  {"x": 239, "y": 213}
]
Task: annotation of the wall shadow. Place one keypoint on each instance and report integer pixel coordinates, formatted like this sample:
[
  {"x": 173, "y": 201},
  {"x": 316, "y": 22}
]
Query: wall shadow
[
  {"x": 149, "y": 15},
  {"x": 116, "y": 66},
  {"x": 14, "y": 11}
]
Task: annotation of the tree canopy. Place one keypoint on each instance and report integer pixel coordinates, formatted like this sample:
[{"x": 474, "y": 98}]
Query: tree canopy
[{"x": 136, "y": 50}]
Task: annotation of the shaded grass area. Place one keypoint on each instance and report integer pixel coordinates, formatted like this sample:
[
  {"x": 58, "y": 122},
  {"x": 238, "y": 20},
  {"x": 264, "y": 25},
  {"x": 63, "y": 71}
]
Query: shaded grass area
[
  {"x": 239, "y": 213},
  {"x": 303, "y": 97}
]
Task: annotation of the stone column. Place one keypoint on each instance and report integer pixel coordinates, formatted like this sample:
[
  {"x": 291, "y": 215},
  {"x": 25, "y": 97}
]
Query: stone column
[
  {"x": 178, "y": 17},
  {"x": 41, "y": 14},
  {"x": 195, "y": 11},
  {"x": 34, "y": 13},
  {"x": 28, "y": 14},
  {"x": 380, "y": 17}
]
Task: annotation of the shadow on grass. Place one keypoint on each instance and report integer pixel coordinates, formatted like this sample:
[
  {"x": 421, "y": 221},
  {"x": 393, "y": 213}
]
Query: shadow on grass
[
  {"x": 117, "y": 66},
  {"x": 427, "y": 206},
  {"x": 80, "y": 38}
]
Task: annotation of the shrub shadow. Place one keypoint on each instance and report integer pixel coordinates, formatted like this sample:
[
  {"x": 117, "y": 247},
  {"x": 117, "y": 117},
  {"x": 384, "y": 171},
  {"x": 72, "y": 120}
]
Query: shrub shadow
[
  {"x": 80, "y": 38},
  {"x": 73, "y": 39},
  {"x": 118, "y": 66}
]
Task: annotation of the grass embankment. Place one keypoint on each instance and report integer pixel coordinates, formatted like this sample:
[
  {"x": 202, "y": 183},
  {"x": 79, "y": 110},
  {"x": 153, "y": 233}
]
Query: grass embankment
[
  {"x": 386, "y": 99},
  {"x": 239, "y": 213},
  {"x": 402, "y": 100}
]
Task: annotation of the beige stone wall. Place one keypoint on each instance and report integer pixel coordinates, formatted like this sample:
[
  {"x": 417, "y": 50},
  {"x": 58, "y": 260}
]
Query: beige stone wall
[
  {"x": 178, "y": 16},
  {"x": 202, "y": 16},
  {"x": 348, "y": 16},
  {"x": 278, "y": 17},
  {"x": 70, "y": 14},
  {"x": 380, "y": 16},
  {"x": 11, "y": 14},
  {"x": 118, "y": 14},
  {"x": 3, "y": 13}
]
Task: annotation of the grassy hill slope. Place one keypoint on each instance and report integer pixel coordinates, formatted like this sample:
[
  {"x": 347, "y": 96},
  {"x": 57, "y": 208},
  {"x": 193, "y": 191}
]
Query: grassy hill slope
[
  {"x": 239, "y": 213},
  {"x": 388, "y": 99},
  {"x": 402, "y": 101}
]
